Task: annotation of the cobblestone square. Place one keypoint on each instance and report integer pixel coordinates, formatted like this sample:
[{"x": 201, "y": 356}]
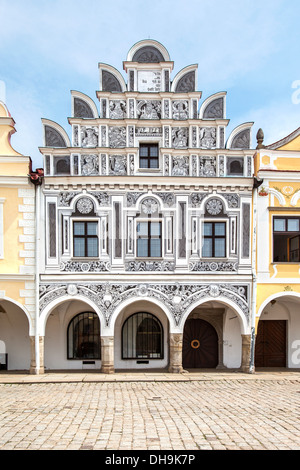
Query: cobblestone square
[{"x": 212, "y": 413}]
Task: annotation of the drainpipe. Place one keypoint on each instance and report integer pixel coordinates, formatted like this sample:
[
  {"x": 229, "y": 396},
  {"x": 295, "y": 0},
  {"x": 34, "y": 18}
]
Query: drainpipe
[
  {"x": 257, "y": 183},
  {"x": 37, "y": 178}
]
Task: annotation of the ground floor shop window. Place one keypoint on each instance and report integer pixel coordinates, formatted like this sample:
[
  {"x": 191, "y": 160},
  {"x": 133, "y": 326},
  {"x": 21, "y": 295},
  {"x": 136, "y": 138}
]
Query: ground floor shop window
[
  {"x": 142, "y": 337},
  {"x": 84, "y": 336}
]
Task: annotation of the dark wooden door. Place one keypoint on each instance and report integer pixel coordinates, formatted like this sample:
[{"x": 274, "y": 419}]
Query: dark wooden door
[
  {"x": 270, "y": 348},
  {"x": 200, "y": 345}
]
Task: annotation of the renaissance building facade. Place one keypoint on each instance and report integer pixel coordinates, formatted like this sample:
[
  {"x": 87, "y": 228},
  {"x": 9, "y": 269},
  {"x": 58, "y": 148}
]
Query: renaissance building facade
[
  {"x": 277, "y": 168},
  {"x": 18, "y": 287},
  {"x": 146, "y": 220}
]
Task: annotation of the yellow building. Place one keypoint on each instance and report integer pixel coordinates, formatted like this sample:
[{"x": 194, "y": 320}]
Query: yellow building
[
  {"x": 276, "y": 201},
  {"x": 17, "y": 253}
]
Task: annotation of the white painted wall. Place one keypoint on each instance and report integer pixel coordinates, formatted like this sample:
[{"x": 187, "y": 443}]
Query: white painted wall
[
  {"x": 14, "y": 336},
  {"x": 232, "y": 340}
]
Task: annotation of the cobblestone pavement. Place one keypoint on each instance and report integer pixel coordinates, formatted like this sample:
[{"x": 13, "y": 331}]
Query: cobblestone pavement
[{"x": 211, "y": 412}]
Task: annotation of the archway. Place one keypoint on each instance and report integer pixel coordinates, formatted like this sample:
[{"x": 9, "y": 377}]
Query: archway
[
  {"x": 278, "y": 331},
  {"x": 141, "y": 332},
  {"x": 72, "y": 337},
  {"x": 225, "y": 329},
  {"x": 200, "y": 345},
  {"x": 15, "y": 352}
]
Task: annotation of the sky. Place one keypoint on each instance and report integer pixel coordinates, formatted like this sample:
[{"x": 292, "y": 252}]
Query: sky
[{"x": 248, "y": 48}]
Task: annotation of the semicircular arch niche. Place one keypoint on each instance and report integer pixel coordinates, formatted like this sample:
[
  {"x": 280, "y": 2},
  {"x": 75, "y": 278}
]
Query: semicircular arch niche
[
  {"x": 241, "y": 140},
  {"x": 214, "y": 109},
  {"x": 53, "y": 138},
  {"x": 148, "y": 54},
  {"x": 186, "y": 83},
  {"x": 110, "y": 82},
  {"x": 82, "y": 109}
]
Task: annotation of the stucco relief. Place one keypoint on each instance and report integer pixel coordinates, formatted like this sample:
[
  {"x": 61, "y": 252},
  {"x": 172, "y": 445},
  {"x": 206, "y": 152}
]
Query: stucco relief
[
  {"x": 207, "y": 137},
  {"x": 180, "y": 109},
  {"x": 149, "y": 109},
  {"x": 180, "y": 137},
  {"x": 180, "y": 166},
  {"x": 117, "y": 109},
  {"x": 117, "y": 137},
  {"x": 89, "y": 136},
  {"x": 118, "y": 165},
  {"x": 89, "y": 165},
  {"x": 176, "y": 297}
]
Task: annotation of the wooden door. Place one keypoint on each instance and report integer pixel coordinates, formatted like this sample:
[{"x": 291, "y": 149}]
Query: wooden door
[
  {"x": 270, "y": 348},
  {"x": 200, "y": 345}
]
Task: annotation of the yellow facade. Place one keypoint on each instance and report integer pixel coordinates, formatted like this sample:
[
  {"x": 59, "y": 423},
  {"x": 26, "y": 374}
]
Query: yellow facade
[
  {"x": 16, "y": 216},
  {"x": 278, "y": 168}
]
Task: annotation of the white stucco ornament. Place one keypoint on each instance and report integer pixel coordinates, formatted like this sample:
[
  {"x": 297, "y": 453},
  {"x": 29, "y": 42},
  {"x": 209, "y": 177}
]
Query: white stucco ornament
[
  {"x": 85, "y": 205},
  {"x": 72, "y": 289},
  {"x": 214, "y": 207}
]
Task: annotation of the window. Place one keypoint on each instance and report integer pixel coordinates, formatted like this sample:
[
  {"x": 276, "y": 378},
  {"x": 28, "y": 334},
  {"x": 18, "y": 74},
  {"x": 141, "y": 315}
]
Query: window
[
  {"x": 84, "y": 337},
  {"x": 235, "y": 166},
  {"x": 142, "y": 337},
  {"x": 149, "y": 156},
  {"x": 149, "y": 239},
  {"x": 85, "y": 236},
  {"x": 62, "y": 165},
  {"x": 286, "y": 233},
  {"x": 214, "y": 240}
]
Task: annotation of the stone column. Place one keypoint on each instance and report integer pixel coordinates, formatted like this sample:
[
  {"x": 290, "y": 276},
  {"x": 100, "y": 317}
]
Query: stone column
[
  {"x": 175, "y": 365},
  {"x": 33, "y": 363},
  {"x": 246, "y": 352},
  {"x": 107, "y": 354}
]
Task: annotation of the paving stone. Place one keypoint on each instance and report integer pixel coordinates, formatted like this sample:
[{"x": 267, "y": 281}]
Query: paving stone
[{"x": 217, "y": 412}]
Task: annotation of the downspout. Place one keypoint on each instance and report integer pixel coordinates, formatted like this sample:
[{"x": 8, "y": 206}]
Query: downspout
[
  {"x": 257, "y": 183},
  {"x": 36, "y": 179},
  {"x": 37, "y": 278}
]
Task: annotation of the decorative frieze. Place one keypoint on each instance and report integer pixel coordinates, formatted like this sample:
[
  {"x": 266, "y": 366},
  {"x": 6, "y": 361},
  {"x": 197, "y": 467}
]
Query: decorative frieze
[
  {"x": 214, "y": 266},
  {"x": 150, "y": 266},
  {"x": 176, "y": 297},
  {"x": 85, "y": 266}
]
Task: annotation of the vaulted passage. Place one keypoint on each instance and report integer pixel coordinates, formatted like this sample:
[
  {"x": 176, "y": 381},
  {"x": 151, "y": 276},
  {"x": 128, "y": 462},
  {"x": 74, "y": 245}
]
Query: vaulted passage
[{"x": 200, "y": 345}]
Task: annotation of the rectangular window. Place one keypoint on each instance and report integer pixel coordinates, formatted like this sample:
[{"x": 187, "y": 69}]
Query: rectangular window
[
  {"x": 214, "y": 240},
  {"x": 149, "y": 156},
  {"x": 85, "y": 239},
  {"x": 286, "y": 234},
  {"x": 149, "y": 239}
]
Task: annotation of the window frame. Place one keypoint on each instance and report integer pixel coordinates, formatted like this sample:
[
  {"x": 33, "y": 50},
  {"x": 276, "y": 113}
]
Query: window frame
[
  {"x": 290, "y": 234},
  {"x": 71, "y": 357},
  {"x": 85, "y": 237},
  {"x": 214, "y": 237},
  {"x": 142, "y": 356},
  {"x": 148, "y": 145},
  {"x": 160, "y": 237}
]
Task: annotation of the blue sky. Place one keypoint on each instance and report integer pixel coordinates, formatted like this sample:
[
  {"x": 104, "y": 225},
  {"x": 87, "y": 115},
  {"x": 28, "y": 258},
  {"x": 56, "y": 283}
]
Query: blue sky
[{"x": 248, "y": 48}]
